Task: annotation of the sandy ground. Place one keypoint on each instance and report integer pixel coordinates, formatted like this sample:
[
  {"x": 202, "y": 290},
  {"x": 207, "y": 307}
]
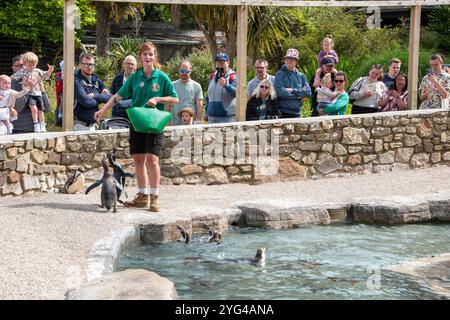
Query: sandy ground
[{"x": 45, "y": 236}]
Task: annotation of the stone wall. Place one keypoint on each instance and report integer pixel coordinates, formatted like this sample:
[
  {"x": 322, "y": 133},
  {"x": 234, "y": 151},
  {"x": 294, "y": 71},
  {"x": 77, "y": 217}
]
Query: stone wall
[{"x": 247, "y": 152}]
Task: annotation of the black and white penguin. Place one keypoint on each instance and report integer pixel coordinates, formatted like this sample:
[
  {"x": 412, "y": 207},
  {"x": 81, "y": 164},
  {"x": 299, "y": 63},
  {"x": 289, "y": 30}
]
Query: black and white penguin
[
  {"x": 258, "y": 260},
  {"x": 109, "y": 185},
  {"x": 186, "y": 236},
  {"x": 119, "y": 174},
  {"x": 75, "y": 183},
  {"x": 215, "y": 236}
]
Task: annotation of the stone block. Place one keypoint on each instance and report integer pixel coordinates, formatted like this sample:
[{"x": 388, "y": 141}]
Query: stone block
[
  {"x": 15, "y": 189},
  {"x": 38, "y": 156},
  {"x": 398, "y": 211},
  {"x": 70, "y": 158},
  {"x": 30, "y": 182},
  {"x": 216, "y": 175},
  {"x": 327, "y": 164},
  {"x": 420, "y": 160},
  {"x": 9, "y": 165},
  {"x": 403, "y": 155},
  {"x": 282, "y": 214},
  {"x": 60, "y": 144},
  {"x": 40, "y": 144},
  {"x": 355, "y": 136},
  {"x": 131, "y": 284},
  {"x": 74, "y": 146},
  {"x": 190, "y": 169}
]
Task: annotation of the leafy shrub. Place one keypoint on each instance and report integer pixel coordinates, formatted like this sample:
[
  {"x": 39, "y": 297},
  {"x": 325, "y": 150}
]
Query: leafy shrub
[
  {"x": 202, "y": 67},
  {"x": 440, "y": 23},
  {"x": 126, "y": 46},
  {"x": 104, "y": 68}
]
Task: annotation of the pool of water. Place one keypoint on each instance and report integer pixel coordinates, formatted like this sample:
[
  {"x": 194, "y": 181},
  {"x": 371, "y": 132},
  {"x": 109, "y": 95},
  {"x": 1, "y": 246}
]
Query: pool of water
[{"x": 321, "y": 262}]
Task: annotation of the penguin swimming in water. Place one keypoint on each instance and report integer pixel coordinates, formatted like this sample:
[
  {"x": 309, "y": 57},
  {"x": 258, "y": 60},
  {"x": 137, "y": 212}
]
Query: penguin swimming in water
[
  {"x": 109, "y": 185},
  {"x": 258, "y": 260},
  {"x": 119, "y": 174},
  {"x": 215, "y": 236},
  {"x": 75, "y": 183},
  {"x": 186, "y": 236}
]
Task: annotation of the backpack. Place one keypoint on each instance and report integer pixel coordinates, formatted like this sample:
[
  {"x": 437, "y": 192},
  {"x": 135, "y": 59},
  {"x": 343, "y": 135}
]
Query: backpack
[
  {"x": 114, "y": 123},
  {"x": 356, "y": 86}
]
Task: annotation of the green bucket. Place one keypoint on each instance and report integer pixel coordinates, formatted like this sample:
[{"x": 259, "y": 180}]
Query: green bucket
[{"x": 148, "y": 120}]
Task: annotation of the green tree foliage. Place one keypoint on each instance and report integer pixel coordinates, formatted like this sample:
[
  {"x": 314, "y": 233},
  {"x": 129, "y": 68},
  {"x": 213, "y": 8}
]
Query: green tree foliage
[
  {"x": 267, "y": 29},
  {"x": 31, "y": 20},
  {"x": 201, "y": 67},
  {"x": 353, "y": 41},
  {"x": 440, "y": 24}
]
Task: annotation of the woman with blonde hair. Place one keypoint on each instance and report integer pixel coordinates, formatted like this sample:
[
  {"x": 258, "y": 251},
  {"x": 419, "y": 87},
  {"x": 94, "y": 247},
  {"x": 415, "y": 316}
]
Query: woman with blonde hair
[
  {"x": 263, "y": 103},
  {"x": 147, "y": 87}
]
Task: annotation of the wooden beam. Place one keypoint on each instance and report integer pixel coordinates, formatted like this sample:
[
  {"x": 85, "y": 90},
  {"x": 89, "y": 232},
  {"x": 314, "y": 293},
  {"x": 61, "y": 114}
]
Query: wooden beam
[
  {"x": 241, "y": 97},
  {"x": 296, "y": 3},
  {"x": 413, "y": 59},
  {"x": 69, "y": 61}
]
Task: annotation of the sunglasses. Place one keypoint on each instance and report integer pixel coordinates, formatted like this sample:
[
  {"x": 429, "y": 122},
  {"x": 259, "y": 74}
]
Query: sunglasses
[
  {"x": 184, "y": 71},
  {"x": 339, "y": 81},
  {"x": 264, "y": 87}
]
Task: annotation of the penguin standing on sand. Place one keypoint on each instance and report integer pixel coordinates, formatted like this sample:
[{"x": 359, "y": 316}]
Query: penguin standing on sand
[
  {"x": 109, "y": 185},
  {"x": 75, "y": 183},
  {"x": 119, "y": 174}
]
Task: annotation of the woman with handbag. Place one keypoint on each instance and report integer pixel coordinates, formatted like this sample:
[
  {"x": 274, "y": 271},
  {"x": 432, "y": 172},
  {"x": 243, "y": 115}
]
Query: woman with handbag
[{"x": 147, "y": 87}]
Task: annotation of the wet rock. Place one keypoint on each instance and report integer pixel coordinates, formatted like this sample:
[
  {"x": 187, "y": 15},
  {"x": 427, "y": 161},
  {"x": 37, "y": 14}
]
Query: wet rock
[
  {"x": 281, "y": 215},
  {"x": 391, "y": 211},
  {"x": 132, "y": 284}
]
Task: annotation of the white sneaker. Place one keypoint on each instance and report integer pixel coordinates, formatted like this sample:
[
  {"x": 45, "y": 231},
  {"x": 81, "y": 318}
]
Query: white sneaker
[
  {"x": 9, "y": 128},
  {"x": 42, "y": 125},
  {"x": 37, "y": 127}
]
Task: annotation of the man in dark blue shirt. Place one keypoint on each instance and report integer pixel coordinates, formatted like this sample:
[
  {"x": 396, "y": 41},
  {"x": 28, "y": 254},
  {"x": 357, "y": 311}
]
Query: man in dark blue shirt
[{"x": 90, "y": 92}]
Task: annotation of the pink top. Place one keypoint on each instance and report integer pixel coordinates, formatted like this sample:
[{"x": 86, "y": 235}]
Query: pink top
[{"x": 331, "y": 53}]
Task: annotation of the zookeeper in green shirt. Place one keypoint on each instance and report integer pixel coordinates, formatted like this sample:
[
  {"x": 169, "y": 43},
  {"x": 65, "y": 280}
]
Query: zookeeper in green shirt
[{"x": 152, "y": 87}]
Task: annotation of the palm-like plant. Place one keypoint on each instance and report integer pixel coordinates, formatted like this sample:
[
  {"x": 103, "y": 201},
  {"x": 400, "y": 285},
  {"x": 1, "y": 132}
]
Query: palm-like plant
[
  {"x": 440, "y": 23},
  {"x": 267, "y": 28},
  {"x": 125, "y": 47}
]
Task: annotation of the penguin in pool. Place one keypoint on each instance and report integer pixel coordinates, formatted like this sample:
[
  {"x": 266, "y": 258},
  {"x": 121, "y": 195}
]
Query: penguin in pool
[
  {"x": 119, "y": 174},
  {"x": 75, "y": 183},
  {"x": 258, "y": 260},
  {"x": 215, "y": 236},
  {"x": 109, "y": 185},
  {"x": 186, "y": 236}
]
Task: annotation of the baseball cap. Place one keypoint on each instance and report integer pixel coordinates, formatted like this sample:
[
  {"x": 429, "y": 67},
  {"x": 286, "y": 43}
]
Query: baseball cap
[
  {"x": 221, "y": 56},
  {"x": 328, "y": 61}
]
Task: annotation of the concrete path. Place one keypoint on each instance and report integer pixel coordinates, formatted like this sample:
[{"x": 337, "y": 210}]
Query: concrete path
[{"x": 46, "y": 236}]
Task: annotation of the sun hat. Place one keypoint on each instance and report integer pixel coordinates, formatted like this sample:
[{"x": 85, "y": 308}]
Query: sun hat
[
  {"x": 188, "y": 110},
  {"x": 291, "y": 53}
]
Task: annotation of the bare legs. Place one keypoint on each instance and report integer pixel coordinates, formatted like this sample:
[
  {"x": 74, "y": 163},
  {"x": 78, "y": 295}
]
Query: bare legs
[{"x": 147, "y": 168}]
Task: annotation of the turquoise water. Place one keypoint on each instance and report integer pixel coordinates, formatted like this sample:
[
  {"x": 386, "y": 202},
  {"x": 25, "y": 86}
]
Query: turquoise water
[{"x": 321, "y": 262}]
